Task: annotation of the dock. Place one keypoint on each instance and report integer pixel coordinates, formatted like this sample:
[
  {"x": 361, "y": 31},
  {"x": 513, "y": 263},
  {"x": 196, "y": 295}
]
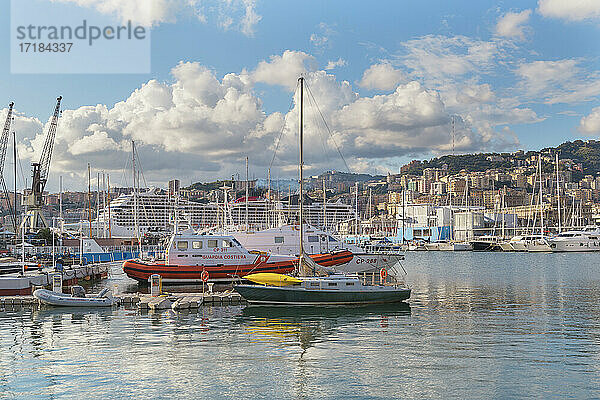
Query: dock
[
  {"x": 144, "y": 302},
  {"x": 16, "y": 284}
]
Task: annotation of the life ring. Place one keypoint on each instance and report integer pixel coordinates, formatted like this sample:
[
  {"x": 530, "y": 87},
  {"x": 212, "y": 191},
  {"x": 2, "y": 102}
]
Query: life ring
[
  {"x": 204, "y": 276},
  {"x": 383, "y": 274}
]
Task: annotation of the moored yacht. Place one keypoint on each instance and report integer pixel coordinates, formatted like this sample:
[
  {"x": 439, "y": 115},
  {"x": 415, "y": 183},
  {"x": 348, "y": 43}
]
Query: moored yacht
[
  {"x": 580, "y": 241},
  {"x": 485, "y": 243},
  {"x": 532, "y": 243}
]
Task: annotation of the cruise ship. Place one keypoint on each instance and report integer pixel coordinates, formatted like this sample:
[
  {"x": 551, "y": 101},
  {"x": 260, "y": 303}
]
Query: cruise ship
[{"x": 156, "y": 213}]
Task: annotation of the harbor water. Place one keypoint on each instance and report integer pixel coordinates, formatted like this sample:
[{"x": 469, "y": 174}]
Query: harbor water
[{"x": 478, "y": 325}]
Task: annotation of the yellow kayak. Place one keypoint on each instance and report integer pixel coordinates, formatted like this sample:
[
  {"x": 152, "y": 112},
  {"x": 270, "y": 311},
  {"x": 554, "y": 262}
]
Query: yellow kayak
[{"x": 270, "y": 278}]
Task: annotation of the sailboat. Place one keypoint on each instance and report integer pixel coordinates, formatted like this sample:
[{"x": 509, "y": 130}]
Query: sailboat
[{"x": 316, "y": 285}]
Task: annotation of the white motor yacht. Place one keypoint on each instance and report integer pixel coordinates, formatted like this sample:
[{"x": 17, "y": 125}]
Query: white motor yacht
[
  {"x": 580, "y": 241},
  {"x": 531, "y": 243}
]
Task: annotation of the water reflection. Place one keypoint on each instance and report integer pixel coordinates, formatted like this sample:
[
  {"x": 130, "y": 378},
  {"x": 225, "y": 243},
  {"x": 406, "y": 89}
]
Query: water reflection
[
  {"x": 308, "y": 325},
  {"x": 478, "y": 326},
  {"x": 309, "y": 328}
]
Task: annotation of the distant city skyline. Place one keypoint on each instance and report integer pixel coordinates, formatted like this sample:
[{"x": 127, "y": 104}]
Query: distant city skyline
[{"x": 388, "y": 77}]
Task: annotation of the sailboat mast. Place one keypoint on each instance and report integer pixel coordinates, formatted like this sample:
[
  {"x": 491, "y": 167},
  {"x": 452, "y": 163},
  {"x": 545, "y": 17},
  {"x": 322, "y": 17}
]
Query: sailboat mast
[
  {"x": 300, "y": 198},
  {"x": 269, "y": 198},
  {"x": 356, "y": 208},
  {"x": 558, "y": 195},
  {"x": 541, "y": 198},
  {"x": 90, "y": 199},
  {"x": 97, "y": 204},
  {"x": 324, "y": 206},
  {"x": 247, "y": 183},
  {"x": 135, "y": 200},
  {"x": 108, "y": 195},
  {"x": 403, "y": 215}
]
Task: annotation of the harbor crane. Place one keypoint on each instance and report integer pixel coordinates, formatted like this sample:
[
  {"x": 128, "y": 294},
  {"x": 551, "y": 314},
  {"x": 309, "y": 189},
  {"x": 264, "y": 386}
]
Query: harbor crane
[
  {"x": 34, "y": 219},
  {"x": 3, "y": 145}
]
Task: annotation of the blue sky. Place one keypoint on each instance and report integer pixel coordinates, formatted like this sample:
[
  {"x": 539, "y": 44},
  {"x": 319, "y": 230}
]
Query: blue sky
[{"x": 513, "y": 74}]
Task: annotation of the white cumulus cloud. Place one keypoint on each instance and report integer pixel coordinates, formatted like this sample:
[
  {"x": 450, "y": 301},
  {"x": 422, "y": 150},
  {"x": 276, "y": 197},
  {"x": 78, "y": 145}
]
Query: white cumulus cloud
[
  {"x": 284, "y": 69},
  {"x": 512, "y": 24},
  {"x": 381, "y": 76},
  {"x": 201, "y": 126},
  {"x": 571, "y": 10},
  {"x": 590, "y": 124}
]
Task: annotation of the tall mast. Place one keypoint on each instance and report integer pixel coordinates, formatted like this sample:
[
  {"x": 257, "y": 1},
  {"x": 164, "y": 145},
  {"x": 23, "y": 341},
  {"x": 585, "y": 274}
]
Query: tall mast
[
  {"x": 541, "y": 198},
  {"x": 135, "y": 199},
  {"x": 247, "y": 183},
  {"x": 531, "y": 214},
  {"x": 103, "y": 204},
  {"x": 108, "y": 193},
  {"x": 300, "y": 198},
  {"x": 403, "y": 216},
  {"x": 97, "y": 204},
  {"x": 269, "y": 198},
  {"x": 324, "y": 206},
  {"x": 558, "y": 195},
  {"x": 503, "y": 205},
  {"x": 90, "y": 200},
  {"x": 356, "y": 208}
]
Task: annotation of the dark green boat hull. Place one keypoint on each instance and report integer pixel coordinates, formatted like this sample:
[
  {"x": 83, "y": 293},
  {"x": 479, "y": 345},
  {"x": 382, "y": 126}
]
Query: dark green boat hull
[{"x": 293, "y": 295}]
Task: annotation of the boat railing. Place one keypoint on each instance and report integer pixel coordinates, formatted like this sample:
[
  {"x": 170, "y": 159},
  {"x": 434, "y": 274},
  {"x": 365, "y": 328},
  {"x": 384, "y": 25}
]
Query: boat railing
[
  {"x": 74, "y": 250},
  {"x": 375, "y": 278}
]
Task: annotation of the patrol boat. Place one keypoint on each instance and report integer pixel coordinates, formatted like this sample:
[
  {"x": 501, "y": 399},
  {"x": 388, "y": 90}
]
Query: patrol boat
[{"x": 221, "y": 256}]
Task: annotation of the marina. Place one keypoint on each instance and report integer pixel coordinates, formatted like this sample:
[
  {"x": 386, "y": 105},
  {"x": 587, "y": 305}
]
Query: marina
[{"x": 250, "y": 199}]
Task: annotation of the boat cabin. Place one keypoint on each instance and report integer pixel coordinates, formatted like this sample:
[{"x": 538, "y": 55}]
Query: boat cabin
[{"x": 202, "y": 249}]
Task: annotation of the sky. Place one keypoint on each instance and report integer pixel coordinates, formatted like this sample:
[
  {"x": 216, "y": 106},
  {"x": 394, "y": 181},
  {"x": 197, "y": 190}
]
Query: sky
[{"x": 389, "y": 81}]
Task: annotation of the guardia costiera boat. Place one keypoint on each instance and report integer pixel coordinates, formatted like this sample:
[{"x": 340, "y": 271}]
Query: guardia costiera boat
[
  {"x": 221, "y": 256},
  {"x": 313, "y": 284}
]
